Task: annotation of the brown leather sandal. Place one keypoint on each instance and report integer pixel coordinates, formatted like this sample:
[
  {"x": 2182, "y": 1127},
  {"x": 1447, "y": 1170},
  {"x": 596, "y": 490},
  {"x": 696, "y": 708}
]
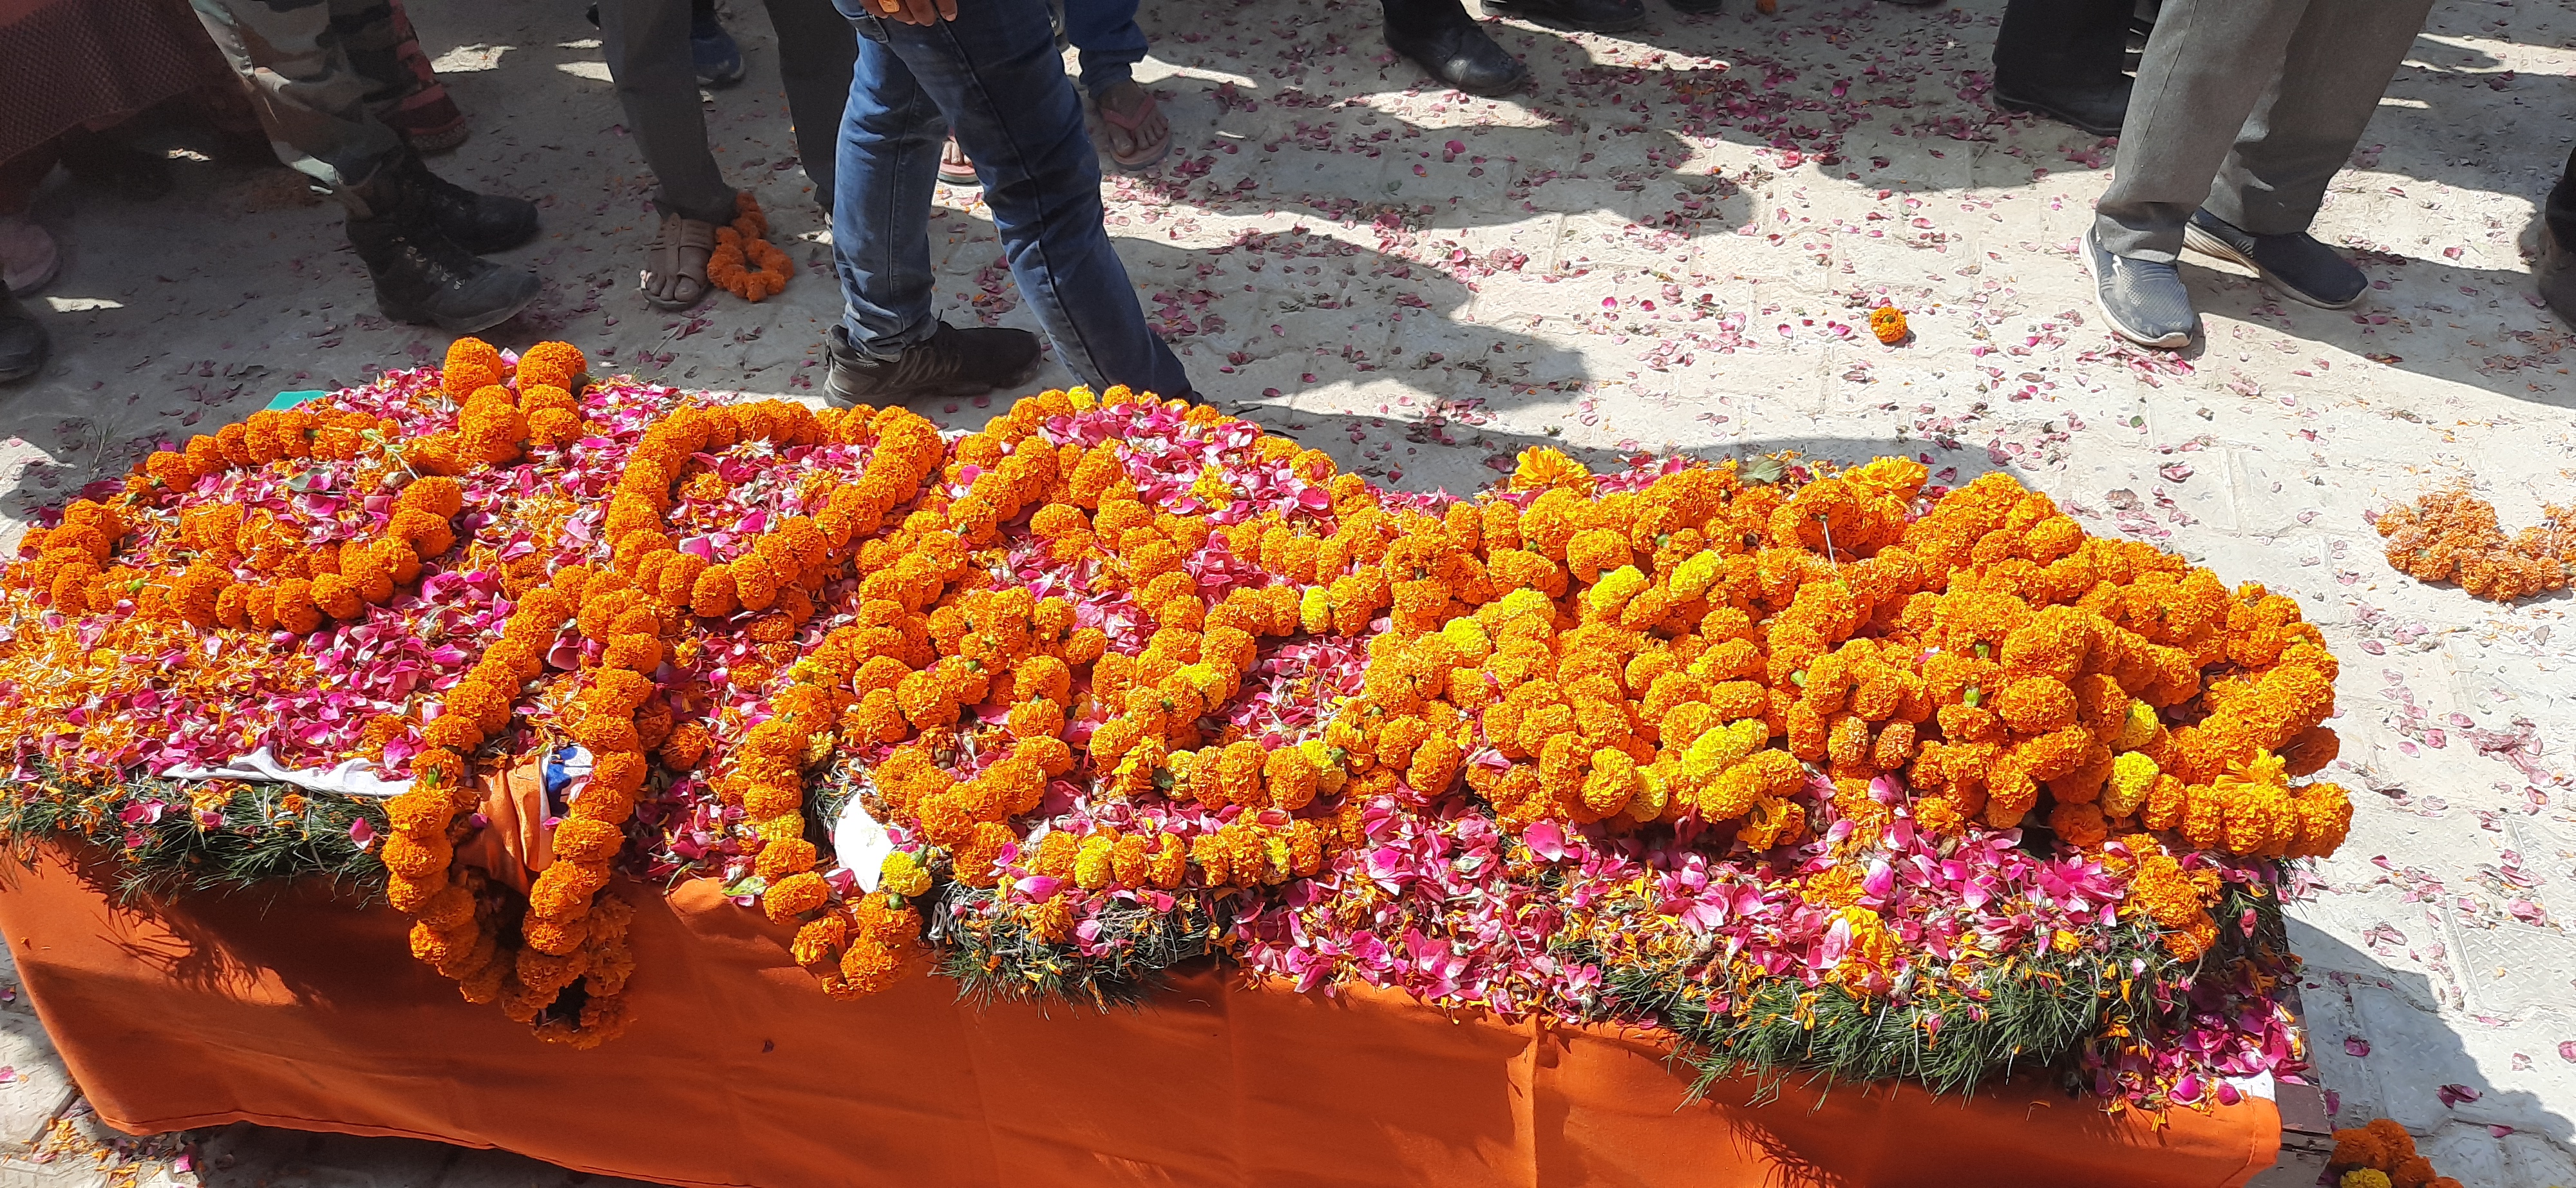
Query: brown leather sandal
[{"x": 675, "y": 272}]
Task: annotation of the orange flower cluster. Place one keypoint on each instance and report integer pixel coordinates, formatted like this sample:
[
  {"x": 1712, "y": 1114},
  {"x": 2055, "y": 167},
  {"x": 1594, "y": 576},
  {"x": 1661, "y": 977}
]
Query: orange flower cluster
[
  {"x": 744, "y": 262},
  {"x": 571, "y": 932},
  {"x": 313, "y": 587},
  {"x": 2452, "y": 536},
  {"x": 494, "y": 423},
  {"x": 1888, "y": 323},
  {"x": 300, "y": 588},
  {"x": 779, "y": 576},
  {"x": 2382, "y": 1155},
  {"x": 977, "y": 644},
  {"x": 2177, "y": 899}
]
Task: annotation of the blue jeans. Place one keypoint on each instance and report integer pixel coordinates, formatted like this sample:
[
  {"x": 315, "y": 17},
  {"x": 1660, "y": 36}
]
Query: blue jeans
[
  {"x": 995, "y": 76},
  {"x": 1111, "y": 43}
]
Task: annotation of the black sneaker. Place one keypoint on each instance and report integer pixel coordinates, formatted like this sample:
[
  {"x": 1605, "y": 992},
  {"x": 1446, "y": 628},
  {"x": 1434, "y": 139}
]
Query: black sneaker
[
  {"x": 951, "y": 362},
  {"x": 1590, "y": 16},
  {"x": 479, "y": 223},
  {"x": 2295, "y": 264},
  {"x": 2144, "y": 300},
  {"x": 422, "y": 277},
  {"x": 1462, "y": 56}
]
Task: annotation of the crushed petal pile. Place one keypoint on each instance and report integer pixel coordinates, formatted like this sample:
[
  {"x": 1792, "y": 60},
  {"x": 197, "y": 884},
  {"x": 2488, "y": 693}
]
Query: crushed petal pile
[{"x": 1812, "y": 769}]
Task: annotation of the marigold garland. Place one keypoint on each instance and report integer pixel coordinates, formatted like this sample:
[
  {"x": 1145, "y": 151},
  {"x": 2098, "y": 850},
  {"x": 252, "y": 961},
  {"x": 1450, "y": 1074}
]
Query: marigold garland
[
  {"x": 1130, "y": 680},
  {"x": 300, "y": 587},
  {"x": 744, "y": 262},
  {"x": 2450, "y": 535},
  {"x": 2382, "y": 1154}
]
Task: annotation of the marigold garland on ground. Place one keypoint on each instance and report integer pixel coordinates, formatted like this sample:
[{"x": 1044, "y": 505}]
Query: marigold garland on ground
[
  {"x": 2381, "y": 1155},
  {"x": 2450, "y": 535},
  {"x": 1131, "y": 682}
]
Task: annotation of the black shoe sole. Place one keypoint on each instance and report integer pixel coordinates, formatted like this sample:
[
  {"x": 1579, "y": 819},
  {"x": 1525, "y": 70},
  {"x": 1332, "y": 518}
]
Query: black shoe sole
[
  {"x": 2212, "y": 246},
  {"x": 11, "y": 377},
  {"x": 467, "y": 324},
  {"x": 958, "y": 390},
  {"x": 1559, "y": 23},
  {"x": 2038, "y": 108}
]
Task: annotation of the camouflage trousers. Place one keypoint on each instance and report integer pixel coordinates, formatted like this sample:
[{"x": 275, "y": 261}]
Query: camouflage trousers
[{"x": 314, "y": 69}]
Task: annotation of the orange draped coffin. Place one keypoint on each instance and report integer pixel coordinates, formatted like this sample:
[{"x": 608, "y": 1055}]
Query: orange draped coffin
[{"x": 301, "y": 1011}]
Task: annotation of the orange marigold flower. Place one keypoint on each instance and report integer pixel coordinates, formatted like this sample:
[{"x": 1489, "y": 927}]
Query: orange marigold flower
[
  {"x": 1888, "y": 323},
  {"x": 471, "y": 363}
]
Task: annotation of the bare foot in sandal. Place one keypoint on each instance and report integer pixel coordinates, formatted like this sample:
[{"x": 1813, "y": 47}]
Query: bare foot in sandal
[
  {"x": 954, "y": 167},
  {"x": 675, "y": 266},
  {"x": 1139, "y": 136}
]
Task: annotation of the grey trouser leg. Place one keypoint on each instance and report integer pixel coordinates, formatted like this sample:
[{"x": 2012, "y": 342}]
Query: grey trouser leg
[
  {"x": 817, "y": 50},
  {"x": 2249, "y": 106},
  {"x": 647, "y": 46}
]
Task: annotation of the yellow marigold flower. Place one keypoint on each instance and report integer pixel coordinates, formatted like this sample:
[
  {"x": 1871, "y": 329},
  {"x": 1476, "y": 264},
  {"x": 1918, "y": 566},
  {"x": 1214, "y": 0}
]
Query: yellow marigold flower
[
  {"x": 1469, "y": 638},
  {"x": 1894, "y": 478},
  {"x": 2133, "y": 775},
  {"x": 902, "y": 874},
  {"x": 1542, "y": 467},
  {"x": 1094, "y": 865},
  {"x": 2364, "y": 1177},
  {"x": 1694, "y": 576},
  {"x": 1615, "y": 588},
  {"x": 1315, "y": 611}
]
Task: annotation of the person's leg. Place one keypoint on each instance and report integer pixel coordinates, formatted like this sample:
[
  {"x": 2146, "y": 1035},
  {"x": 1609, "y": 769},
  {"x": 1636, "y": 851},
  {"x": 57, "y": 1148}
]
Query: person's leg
[
  {"x": 882, "y": 185},
  {"x": 2207, "y": 67},
  {"x": 992, "y": 72},
  {"x": 1107, "y": 41},
  {"x": 647, "y": 46},
  {"x": 416, "y": 106},
  {"x": 816, "y": 48},
  {"x": 415, "y": 233},
  {"x": 2062, "y": 59},
  {"x": 2338, "y": 64},
  {"x": 308, "y": 95}
]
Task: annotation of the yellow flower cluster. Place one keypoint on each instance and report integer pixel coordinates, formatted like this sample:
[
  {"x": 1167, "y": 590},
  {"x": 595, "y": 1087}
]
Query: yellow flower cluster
[{"x": 1702, "y": 645}]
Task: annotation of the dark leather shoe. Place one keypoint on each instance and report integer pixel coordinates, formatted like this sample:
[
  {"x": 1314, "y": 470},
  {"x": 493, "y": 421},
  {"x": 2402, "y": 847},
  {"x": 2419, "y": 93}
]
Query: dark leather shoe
[
  {"x": 951, "y": 362},
  {"x": 1590, "y": 16},
  {"x": 425, "y": 278},
  {"x": 23, "y": 346},
  {"x": 479, "y": 223},
  {"x": 2295, "y": 263},
  {"x": 1463, "y": 57},
  {"x": 2098, "y": 110},
  {"x": 1697, "y": 7}
]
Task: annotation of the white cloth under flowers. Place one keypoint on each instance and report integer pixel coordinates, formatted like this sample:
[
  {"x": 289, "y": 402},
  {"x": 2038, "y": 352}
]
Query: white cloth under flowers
[{"x": 355, "y": 777}]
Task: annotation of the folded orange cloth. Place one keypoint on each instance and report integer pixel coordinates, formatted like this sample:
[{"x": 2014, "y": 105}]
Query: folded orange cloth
[{"x": 518, "y": 839}]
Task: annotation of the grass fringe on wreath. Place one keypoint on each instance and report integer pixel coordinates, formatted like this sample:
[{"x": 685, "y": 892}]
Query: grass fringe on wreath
[
  {"x": 2038, "y": 1016},
  {"x": 997, "y": 953},
  {"x": 260, "y": 835}
]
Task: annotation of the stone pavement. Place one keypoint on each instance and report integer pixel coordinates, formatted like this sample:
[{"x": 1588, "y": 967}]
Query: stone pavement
[{"x": 1669, "y": 243}]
